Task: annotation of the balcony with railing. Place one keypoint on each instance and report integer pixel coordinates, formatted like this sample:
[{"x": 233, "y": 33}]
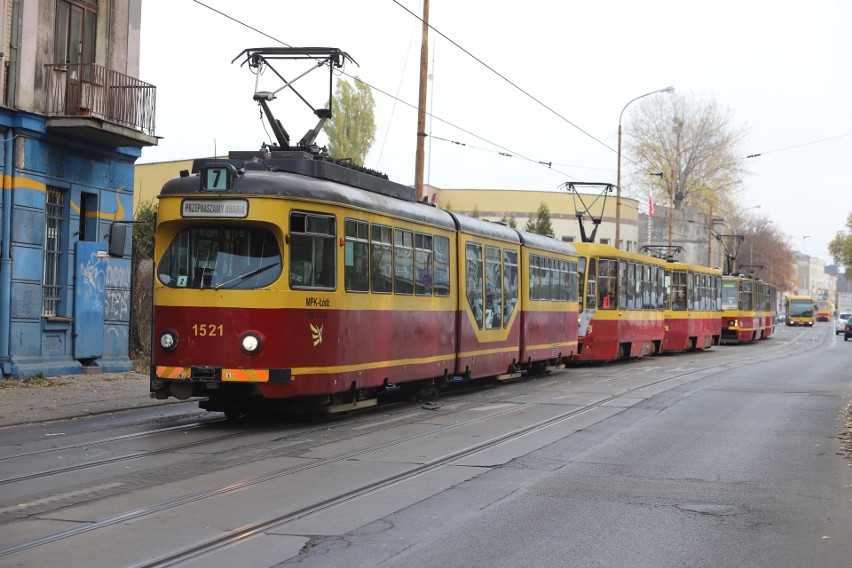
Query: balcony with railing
[{"x": 100, "y": 105}]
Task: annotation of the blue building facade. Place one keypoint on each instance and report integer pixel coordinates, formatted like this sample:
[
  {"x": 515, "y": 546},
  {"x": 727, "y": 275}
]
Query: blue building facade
[{"x": 69, "y": 138}]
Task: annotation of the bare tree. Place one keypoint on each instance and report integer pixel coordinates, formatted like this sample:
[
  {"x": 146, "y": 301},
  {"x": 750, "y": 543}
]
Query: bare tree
[
  {"x": 765, "y": 252},
  {"x": 688, "y": 145}
]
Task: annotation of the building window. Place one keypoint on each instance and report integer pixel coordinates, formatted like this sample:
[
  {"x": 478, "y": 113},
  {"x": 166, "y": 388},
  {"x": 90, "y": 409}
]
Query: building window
[
  {"x": 568, "y": 239},
  {"x": 604, "y": 241},
  {"x": 51, "y": 284},
  {"x": 76, "y": 26}
]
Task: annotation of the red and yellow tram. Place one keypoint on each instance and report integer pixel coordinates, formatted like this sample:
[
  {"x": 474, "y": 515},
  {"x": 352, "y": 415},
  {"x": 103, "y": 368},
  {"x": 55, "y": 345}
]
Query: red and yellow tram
[
  {"x": 622, "y": 301},
  {"x": 692, "y": 307},
  {"x": 289, "y": 280},
  {"x": 748, "y": 309}
]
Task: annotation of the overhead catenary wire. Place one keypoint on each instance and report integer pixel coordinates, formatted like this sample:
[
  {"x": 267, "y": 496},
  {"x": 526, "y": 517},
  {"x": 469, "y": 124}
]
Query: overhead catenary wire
[{"x": 514, "y": 154}]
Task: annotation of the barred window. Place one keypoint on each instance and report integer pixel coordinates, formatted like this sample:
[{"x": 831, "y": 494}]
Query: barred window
[{"x": 51, "y": 283}]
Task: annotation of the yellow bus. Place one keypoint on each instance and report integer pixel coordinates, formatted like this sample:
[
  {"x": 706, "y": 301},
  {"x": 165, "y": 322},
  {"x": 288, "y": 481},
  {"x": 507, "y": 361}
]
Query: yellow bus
[{"x": 800, "y": 310}]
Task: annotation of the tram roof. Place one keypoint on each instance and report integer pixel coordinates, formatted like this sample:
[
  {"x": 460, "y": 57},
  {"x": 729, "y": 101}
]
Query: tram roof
[{"x": 314, "y": 180}]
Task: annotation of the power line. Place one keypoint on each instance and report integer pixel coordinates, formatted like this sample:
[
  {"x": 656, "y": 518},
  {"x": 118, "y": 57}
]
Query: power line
[
  {"x": 508, "y": 152},
  {"x": 481, "y": 62},
  {"x": 757, "y": 155}
]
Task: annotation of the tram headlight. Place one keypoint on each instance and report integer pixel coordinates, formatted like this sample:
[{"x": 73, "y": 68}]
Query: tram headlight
[
  {"x": 169, "y": 340},
  {"x": 250, "y": 343}
]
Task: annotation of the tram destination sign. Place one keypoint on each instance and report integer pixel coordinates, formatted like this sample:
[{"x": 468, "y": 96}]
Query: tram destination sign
[{"x": 231, "y": 208}]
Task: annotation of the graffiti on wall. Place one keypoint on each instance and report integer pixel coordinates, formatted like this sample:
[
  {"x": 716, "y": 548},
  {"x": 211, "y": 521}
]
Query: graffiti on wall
[{"x": 117, "y": 290}]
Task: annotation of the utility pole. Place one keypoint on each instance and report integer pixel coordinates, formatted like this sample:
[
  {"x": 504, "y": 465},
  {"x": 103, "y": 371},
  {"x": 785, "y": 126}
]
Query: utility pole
[
  {"x": 421, "y": 106},
  {"x": 672, "y": 184}
]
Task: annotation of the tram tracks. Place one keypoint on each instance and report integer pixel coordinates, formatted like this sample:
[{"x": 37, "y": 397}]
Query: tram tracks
[{"x": 248, "y": 530}]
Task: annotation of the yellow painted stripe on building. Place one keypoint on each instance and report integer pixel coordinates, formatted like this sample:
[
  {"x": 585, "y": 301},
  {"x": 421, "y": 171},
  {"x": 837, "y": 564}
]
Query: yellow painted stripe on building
[
  {"x": 21, "y": 182},
  {"x": 174, "y": 372},
  {"x": 246, "y": 375}
]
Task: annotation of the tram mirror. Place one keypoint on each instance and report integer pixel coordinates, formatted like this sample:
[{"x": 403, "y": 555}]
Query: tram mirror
[{"x": 117, "y": 238}]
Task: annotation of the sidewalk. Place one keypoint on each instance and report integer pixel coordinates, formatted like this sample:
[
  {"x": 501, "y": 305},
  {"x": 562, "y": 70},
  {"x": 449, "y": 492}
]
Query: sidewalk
[{"x": 69, "y": 396}]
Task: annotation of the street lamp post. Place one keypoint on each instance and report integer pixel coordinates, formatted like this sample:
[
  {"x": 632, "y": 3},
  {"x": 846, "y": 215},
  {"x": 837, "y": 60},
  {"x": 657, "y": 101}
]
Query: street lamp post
[{"x": 668, "y": 89}]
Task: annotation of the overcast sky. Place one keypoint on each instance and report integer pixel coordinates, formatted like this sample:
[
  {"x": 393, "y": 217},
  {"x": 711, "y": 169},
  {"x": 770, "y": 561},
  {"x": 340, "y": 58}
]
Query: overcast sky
[{"x": 782, "y": 68}]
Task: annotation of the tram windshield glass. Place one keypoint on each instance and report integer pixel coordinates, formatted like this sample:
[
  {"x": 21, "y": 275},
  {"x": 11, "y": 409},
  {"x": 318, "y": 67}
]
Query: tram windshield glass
[
  {"x": 730, "y": 295},
  {"x": 221, "y": 257}
]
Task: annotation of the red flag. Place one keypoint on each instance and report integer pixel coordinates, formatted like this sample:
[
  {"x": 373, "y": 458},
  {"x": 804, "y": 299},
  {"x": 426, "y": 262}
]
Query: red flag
[{"x": 650, "y": 205}]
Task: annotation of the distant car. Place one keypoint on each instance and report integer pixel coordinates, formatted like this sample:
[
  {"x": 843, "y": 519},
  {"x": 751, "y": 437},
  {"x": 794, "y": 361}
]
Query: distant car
[
  {"x": 840, "y": 322},
  {"x": 847, "y": 332}
]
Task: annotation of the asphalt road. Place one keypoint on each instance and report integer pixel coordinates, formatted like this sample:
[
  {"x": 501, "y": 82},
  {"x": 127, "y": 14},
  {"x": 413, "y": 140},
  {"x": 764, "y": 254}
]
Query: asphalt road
[
  {"x": 733, "y": 457},
  {"x": 742, "y": 468}
]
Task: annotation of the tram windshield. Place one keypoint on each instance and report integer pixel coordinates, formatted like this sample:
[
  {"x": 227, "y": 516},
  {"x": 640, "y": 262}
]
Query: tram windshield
[
  {"x": 730, "y": 295},
  {"x": 221, "y": 257}
]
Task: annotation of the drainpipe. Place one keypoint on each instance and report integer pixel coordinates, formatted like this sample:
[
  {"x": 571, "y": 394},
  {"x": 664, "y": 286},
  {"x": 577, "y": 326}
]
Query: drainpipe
[{"x": 6, "y": 255}]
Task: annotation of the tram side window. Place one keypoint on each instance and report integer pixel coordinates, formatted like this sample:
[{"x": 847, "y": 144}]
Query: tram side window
[
  {"x": 422, "y": 264},
  {"x": 591, "y": 285},
  {"x": 473, "y": 277},
  {"x": 679, "y": 290},
  {"x": 607, "y": 271},
  {"x": 493, "y": 289},
  {"x": 381, "y": 259},
  {"x": 631, "y": 286},
  {"x": 313, "y": 240},
  {"x": 746, "y": 299},
  {"x": 646, "y": 287},
  {"x": 510, "y": 284},
  {"x": 535, "y": 277},
  {"x": 403, "y": 262},
  {"x": 441, "y": 278},
  {"x": 545, "y": 278},
  {"x": 573, "y": 281},
  {"x": 717, "y": 293},
  {"x": 356, "y": 256},
  {"x": 563, "y": 280},
  {"x": 659, "y": 287},
  {"x": 691, "y": 291},
  {"x": 622, "y": 285}
]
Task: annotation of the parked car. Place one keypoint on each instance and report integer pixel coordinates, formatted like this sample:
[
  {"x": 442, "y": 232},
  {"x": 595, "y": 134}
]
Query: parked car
[
  {"x": 847, "y": 332},
  {"x": 840, "y": 322}
]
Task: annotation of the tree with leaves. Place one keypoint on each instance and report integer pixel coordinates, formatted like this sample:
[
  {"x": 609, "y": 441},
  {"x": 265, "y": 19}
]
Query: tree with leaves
[
  {"x": 509, "y": 221},
  {"x": 840, "y": 247},
  {"x": 539, "y": 222},
  {"x": 351, "y": 130},
  {"x": 688, "y": 145},
  {"x": 143, "y": 230}
]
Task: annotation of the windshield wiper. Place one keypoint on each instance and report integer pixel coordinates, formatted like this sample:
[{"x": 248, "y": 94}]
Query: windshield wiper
[{"x": 248, "y": 274}]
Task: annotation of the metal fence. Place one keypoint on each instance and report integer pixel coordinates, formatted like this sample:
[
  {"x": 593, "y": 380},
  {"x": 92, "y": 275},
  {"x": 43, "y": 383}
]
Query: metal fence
[{"x": 86, "y": 89}]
